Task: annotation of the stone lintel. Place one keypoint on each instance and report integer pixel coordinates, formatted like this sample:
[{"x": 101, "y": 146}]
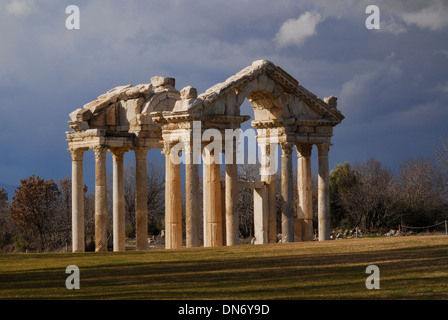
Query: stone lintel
[
  {"x": 226, "y": 118},
  {"x": 283, "y": 122}
]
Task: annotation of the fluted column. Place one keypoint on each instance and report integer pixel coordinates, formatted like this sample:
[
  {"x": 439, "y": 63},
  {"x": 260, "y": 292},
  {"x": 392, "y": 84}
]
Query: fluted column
[
  {"x": 100, "y": 199},
  {"x": 192, "y": 212},
  {"x": 231, "y": 196},
  {"x": 173, "y": 202},
  {"x": 323, "y": 192},
  {"x": 141, "y": 201},
  {"x": 305, "y": 207},
  {"x": 118, "y": 199},
  {"x": 78, "y": 242},
  {"x": 268, "y": 170},
  {"x": 213, "y": 214},
  {"x": 287, "y": 194},
  {"x": 265, "y": 210}
]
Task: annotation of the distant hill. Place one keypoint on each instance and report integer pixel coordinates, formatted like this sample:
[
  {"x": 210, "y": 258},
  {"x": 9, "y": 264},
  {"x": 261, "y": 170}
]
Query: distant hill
[{"x": 9, "y": 188}]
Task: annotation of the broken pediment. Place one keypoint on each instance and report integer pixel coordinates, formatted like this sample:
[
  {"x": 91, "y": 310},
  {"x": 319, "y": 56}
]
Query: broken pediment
[{"x": 276, "y": 97}]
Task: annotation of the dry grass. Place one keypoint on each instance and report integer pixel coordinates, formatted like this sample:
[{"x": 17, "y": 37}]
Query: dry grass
[{"x": 410, "y": 268}]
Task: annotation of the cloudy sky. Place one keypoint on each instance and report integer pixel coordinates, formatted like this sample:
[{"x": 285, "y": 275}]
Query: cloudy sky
[{"x": 391, "y": 83}]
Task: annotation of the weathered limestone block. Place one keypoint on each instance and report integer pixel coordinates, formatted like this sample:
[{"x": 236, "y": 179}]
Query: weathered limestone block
[
  {"x": 111, "y": 115},
  {"x": 231, "y": 107},
  {"x": 184, "y": 105},
  {"x": 81, "y": 114},
  {"x": 188, "y": 93},
  {"x": 98, "y": 120},
  {"x": 219, "y": 107},
  {"x": 306, "y": 129},
  {"x": 133, "y": 107},
  {"x": 79, "y": 125},
  {"x": 96, "y": 105},
  {"x": 158, "y": 81},
  {"x": 266, "y": 83},
  {"x": 324, "y": 129},
  {"x": 135, "y": 92},
  {"x": 113, "y": 94}
]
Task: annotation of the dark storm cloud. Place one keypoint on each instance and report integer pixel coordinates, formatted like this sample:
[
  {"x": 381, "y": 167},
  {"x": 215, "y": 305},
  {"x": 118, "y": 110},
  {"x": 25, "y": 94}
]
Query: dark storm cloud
[{"x": 391, "y": 83}]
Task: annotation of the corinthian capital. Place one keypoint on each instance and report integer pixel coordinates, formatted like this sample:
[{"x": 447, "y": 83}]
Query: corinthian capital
[
  {"x": 118, "y": 154},
  {"x": 286, "y": 148},
  {"x": 304, "y": 150},
  {"x": 100, "y": 153},
  {"x": 323, "y": 149},
  {"x": 77, "y": 153}
]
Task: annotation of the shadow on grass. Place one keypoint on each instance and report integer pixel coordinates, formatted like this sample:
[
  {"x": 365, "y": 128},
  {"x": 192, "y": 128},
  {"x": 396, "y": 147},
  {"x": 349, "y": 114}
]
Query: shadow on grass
[{"x": 289, "y": 276}]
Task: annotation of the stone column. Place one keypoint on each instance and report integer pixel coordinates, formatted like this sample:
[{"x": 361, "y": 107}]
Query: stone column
[
  {"x": 287, "y": 194},
  {"x": 173, "y": 202},
  {"x": 119, "y": 235},
  {"x": 305, "y": 207},
  {"x": 261, "y": 222},
  {"x": 192, "y": 212},
  {"x": 205, "y": 193},
  {"x": 141, "y": 200},
  {"x": 268, "y": 169},
  {"x": 78, "y": 233},
  {"x": 231, "y": 197},
  {"x": 213, "y": 217},
  {"x": 100, "y": 199},
  {"x": 323, "y": 192}
]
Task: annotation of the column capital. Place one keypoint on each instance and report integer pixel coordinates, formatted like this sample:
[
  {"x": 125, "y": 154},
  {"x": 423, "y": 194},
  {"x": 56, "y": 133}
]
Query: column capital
[
  {"x": 304, "y": 150},
  {"x": 77, "y": 153},
  {"x": 323, "y": 149},
  {"x": 118, "y": 153},
  {"x": 167, "y": 146},
  {"x": 100, "y": 153},
  {"x": 286, "y": 148}
]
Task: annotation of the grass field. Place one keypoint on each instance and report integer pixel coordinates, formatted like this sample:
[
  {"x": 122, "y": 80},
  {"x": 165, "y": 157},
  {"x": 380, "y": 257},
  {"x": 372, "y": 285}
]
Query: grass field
[{"x": 410, "y": 268}]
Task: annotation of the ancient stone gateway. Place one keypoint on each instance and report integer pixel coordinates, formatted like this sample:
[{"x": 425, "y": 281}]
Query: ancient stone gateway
[{"x": 156, "y": 115}]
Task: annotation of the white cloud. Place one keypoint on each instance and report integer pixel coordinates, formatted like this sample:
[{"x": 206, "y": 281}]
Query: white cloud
[
  {"x": 442, "y": 87},
  {"x": 433, "y": 17},
  {"x": 20, "y": 7},
  {"x": 296, "y": 31},
  {"x": 391, "y": 26}
]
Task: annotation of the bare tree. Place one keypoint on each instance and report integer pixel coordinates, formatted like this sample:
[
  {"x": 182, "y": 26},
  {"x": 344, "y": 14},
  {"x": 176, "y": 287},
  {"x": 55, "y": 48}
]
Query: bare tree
[
  {"x": 369, "y": 200},
  {"x": 7, "y": 226},
  {"x": 442, "y": 154},
  {"x": 247, "y": 172},
  {"x": 422, "y": 191}
]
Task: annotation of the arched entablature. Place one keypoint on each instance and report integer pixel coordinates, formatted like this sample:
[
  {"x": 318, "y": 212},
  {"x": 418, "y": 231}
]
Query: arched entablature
[{"x": 157, "y": 115}]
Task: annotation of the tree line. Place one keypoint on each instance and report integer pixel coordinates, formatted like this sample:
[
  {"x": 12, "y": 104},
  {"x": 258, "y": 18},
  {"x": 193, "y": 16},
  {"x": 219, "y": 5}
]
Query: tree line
[
  {"x": 365, "y": 195},
  {"x": 39, "y": 216}
]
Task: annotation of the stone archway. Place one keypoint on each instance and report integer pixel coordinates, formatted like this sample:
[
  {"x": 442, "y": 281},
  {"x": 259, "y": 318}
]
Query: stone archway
[{"x": 156, "y": 115}]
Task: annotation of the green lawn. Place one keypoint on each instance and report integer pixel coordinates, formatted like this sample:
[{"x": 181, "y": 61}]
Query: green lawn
[{"x": 410, "y": 268}]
